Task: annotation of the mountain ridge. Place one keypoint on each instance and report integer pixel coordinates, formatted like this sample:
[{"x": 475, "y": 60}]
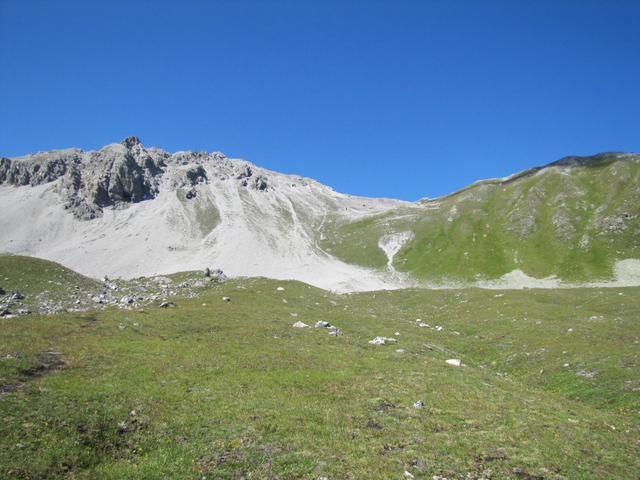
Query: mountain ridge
[{"x": 129, "y": 210}]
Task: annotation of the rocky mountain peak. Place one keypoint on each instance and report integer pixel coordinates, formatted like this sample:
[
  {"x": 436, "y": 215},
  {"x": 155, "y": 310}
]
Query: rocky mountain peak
[
  {"x": 123, "y": 173},
  {"x": 131, "y": 142}
]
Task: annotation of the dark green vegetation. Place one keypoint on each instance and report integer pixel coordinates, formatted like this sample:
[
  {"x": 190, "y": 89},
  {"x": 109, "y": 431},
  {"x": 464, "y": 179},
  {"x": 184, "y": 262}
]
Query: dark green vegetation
[
  {"x": 573, "y": 221},
  {"x": 551, "y": 387}
]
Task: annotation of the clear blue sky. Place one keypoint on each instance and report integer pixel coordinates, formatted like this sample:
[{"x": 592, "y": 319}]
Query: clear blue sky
[{"x": 381, "y": 98}]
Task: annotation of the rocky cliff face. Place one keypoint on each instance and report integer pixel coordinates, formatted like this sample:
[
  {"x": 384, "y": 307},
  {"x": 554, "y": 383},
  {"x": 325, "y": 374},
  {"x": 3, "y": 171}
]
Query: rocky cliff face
[{"x": 116, "y": 176}]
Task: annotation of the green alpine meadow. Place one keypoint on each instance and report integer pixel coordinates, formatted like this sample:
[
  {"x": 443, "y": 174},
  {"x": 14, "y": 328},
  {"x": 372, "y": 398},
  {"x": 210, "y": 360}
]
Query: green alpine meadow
[{"x": 220, "y": 384}]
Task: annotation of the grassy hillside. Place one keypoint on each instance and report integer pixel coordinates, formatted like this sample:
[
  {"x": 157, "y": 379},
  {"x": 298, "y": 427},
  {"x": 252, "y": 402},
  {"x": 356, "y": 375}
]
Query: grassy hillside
[
  {"x": 229, "y": 390},
  {"x": 48, "y": 287},
  {"x": 34, "y": 277},
  {"x": 570, "y": 221}
]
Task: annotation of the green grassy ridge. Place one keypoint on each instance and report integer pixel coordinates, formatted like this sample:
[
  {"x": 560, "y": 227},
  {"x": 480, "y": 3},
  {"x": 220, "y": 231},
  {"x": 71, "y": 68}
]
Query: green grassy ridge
[
  {"x": 224, "y": 390},
  {"x": 50, "y": 287},
  {"x": 32, "y": 276},
  {"x": 502, "y": 226}
]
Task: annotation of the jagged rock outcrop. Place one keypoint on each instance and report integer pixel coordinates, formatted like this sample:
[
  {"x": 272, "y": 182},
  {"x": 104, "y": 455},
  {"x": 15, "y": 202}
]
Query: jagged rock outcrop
[
  {"x": 36, "y": 169},
  {"x": 120, "y": 174},
  {"x": 116, "y": 175}
]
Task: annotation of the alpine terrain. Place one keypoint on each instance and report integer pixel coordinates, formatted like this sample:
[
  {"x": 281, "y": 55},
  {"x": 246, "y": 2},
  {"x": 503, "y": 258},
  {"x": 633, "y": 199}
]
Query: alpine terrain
[
  {"x": 192, "y": 316},
  {"x": 128, "y": 210}
]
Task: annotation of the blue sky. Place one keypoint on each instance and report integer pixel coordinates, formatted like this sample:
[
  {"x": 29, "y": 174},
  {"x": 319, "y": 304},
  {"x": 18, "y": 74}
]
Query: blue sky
[{"x": 398, "y": 98}]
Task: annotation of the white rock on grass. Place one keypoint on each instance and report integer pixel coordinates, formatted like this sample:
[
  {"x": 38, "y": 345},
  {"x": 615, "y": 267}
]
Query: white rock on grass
[
  {"x": 455, "y": 362},
  {"x": 382, "y": 341},
  {"x": 418, "y": 404},
  {"x": 280, "y": 289},
  {"x": 322, "y": 324},
  {"x": 408, "y": 475},
  {"x": 300, "y": 324}
]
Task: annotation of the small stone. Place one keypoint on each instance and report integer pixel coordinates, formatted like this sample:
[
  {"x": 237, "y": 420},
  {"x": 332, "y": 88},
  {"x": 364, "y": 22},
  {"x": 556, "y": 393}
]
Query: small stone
[
  {"x": 167, "y": 305},
  {"x": 455, "y": 362},
  {"x": 408, "y": 474},
  {"x": 280, "y": 289},
  {"x": 16, "y": 296},
  {"x": 382, "y": 341},
  {"x": 322, "y": 324},
  {"x": 399, "y": 350},
  {"x": 226, "y": 299},
  {"x": 300, "y": 324},
  {"x": 418, "y": 404}
]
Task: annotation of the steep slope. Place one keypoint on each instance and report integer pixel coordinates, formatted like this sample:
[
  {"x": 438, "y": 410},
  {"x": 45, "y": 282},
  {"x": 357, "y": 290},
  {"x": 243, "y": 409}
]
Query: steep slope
[
  {"x": 127, "y": 211},
  {"x": 573, "y": 219}
]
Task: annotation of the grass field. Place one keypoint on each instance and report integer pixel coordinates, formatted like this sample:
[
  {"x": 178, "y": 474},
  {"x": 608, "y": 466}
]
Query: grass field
[{"x": 550, "y": 387}]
